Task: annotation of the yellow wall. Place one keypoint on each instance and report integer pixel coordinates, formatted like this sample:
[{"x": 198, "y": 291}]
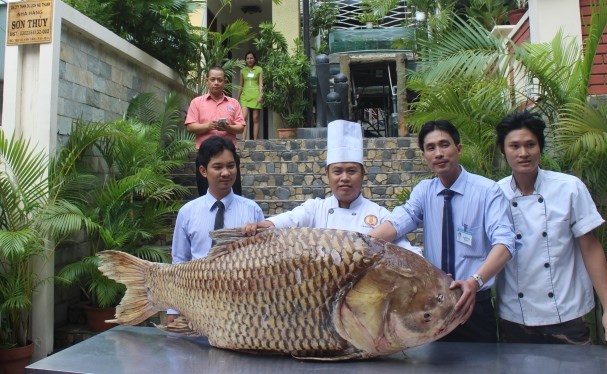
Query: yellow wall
[{"x": 286, "y": 18}]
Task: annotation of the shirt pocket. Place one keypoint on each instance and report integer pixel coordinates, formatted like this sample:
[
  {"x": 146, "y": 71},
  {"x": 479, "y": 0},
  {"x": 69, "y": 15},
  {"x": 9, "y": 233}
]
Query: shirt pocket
[
  {"x": 475, "y": 250},
  {"x": 559, "y": 236}
]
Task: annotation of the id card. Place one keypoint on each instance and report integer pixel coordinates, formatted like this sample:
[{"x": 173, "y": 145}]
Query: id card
[
  {"x": 464, "y": 236},
  {"x": 250, "y": 75}
]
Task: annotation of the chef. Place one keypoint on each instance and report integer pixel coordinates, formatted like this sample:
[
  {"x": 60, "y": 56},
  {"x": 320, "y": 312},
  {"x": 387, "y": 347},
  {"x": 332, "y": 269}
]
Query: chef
[
  {"x": 346, "y": 208},
  {"x": 546, "y": 289}
]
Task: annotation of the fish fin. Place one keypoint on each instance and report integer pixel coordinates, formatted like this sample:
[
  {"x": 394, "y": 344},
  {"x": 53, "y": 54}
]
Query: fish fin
[
  {"x": 356, "y": 355},
  {"x": 180, "y": 325},
  {"x": 129, "y": 270},
  {"x": 361, "y": 312},
  {"x": 223, "y": 239}
]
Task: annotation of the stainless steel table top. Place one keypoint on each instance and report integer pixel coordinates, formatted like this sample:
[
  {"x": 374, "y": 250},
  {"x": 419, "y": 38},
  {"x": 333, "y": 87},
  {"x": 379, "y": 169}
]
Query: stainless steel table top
[{"x": 132, "y": 350}]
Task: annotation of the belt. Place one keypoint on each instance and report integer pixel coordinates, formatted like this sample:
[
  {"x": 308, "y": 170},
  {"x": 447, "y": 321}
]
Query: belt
[{"x": 483, "y": 295}]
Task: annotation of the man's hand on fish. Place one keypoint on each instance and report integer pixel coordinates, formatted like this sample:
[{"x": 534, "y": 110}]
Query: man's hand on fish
[
  {"x": 465, "y": 304},
  {"x": 250, "y": 229}
]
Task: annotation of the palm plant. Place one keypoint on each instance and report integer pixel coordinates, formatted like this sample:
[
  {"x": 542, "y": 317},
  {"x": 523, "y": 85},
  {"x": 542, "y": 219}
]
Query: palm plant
[
  {"x": 286, "y": 75},
  {"x": 134, "y": 204},
  {"x": 214, "y": 49},
  {"x": 38, "y": 212},
  {"x": 161, "y": 28}
]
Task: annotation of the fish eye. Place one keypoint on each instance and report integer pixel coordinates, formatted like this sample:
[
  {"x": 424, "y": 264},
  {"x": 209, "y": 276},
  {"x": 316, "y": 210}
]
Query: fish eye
[
  {"x": 440, "y": 298},
  {"x": 427, "y": 317}
]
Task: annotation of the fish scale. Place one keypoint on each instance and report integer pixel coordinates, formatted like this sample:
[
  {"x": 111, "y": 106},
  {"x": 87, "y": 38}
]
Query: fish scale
[{"x": 298, "y": 291}]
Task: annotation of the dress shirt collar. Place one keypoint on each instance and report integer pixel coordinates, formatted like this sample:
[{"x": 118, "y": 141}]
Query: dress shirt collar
[
  {"x": 208, "y": 97},
  {"x": 209, "y": 200},
  {"x": 459, "y": 186}
]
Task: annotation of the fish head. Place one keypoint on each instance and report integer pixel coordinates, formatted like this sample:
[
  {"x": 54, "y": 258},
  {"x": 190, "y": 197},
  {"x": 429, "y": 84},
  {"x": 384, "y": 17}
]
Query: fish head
[{"x": 402, "y": 301}]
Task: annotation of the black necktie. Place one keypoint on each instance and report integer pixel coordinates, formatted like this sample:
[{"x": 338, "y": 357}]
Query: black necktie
[
  {"x": 448, "y": 255},
  {"x": 219, "y": 215}
]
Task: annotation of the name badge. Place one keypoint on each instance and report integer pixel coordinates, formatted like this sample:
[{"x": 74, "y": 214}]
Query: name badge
[
  {"x": 464, "y": 236},
  {"x": 250, "y": 75}
]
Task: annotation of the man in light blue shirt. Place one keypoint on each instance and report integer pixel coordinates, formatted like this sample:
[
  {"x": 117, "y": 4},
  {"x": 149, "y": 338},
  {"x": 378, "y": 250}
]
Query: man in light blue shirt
[
  {"x": 196, "y": 219},
  {"x": 482, "y": 234}
]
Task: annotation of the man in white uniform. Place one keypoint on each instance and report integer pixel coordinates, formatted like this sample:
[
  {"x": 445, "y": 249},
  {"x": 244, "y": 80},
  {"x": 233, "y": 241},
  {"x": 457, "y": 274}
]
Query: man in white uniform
[
  {"x": 346, "y": 208},
  {"x": 546, "y": 289}
]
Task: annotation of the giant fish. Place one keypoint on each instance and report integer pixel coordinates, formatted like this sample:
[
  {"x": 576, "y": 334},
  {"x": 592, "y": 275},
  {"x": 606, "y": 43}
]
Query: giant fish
[{"x": 315, "y": 294}]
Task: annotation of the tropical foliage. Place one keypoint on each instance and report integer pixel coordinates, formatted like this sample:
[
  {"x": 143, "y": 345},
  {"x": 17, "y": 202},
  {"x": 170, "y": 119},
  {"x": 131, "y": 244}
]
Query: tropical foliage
[
  {"x": 161, "y": 28},
  {"x": 286, "y": 75},
  {"x": 473, "y": 78},
  {"x": 134, "y": 201},
  {"x": 38, "y": 211},
  {"x": 323, "y": 15}
]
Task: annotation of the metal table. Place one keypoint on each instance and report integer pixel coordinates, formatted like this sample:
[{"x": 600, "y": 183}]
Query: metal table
[{"x": 131, "y": 350}]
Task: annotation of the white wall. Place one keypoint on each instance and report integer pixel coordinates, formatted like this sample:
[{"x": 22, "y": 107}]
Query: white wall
[{"x": 547, "y": 17}]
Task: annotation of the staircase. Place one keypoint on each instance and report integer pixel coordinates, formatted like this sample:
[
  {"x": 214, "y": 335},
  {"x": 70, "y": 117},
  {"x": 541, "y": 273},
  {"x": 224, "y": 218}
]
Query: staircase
[{"x": 281, "y": 174}]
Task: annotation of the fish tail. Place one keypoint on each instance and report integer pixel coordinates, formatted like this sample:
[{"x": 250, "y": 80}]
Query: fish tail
[{"x": 135, "y": 307}]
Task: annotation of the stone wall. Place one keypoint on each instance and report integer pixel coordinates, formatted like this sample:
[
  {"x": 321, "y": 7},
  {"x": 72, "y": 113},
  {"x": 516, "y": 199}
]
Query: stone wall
[
  {"x": 97, "y": 83},
  {"x": 281, "y": 174},
  {"x": 99, "y": 73}
]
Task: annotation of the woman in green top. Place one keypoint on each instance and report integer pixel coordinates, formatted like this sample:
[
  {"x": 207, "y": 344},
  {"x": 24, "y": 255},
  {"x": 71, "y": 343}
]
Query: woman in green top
[{"x": 250, "y": 97}]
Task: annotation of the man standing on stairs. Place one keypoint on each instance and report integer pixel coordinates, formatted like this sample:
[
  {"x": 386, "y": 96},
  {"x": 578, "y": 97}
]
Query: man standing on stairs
[
  {"x": 346, "y": 208},
  {"x": 214, "y": 113}
]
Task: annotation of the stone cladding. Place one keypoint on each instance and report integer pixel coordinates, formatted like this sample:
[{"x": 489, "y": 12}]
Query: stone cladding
[{"x": 281, "y": 174}]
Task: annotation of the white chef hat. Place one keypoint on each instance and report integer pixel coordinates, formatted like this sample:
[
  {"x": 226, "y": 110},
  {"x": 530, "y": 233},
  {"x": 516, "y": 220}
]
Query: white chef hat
[{"x": 344, "y": 142}]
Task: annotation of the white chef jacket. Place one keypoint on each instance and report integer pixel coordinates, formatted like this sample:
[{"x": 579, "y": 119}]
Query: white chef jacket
[
  {"x": 546, "y": 281},
  {"x": 362, "y": 216}
]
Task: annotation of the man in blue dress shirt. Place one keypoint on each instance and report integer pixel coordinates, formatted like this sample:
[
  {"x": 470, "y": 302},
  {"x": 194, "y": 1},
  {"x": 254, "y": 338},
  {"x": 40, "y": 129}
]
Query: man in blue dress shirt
[
  {"x": 196, "y": 219},
  {"x": 481, "y": 234}
]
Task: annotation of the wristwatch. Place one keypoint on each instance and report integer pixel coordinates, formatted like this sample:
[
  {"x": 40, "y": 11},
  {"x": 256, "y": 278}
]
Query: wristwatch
[{"x": 479, "y": 280}]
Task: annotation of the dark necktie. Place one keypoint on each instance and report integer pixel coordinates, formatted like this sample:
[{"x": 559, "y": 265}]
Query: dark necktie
[
  {"x": 448, "y": 255},
  {"x": 218, "y": 217}
]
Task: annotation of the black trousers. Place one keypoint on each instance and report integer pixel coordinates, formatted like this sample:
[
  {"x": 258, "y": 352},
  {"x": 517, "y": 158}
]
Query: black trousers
[
  {"x": 481, "y": 326},
  {"x": 575, "y": 331},
  {"x": 203, "y": 184}
]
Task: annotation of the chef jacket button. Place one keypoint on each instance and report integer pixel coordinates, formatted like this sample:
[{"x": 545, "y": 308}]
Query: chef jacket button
[
  {"x": 354, "y": 213},
  {"x": 514, "y": 204},
  {"x": 546, "y": 265},
  {"x": 331, "y": 211},
  {"x": 541, "y": 200},
  {"x": 520, "y": 295},
  {"x": 518, "y": 236},
  {"x": 550, "y": 295},
  {"x": 544, "y": 234}
]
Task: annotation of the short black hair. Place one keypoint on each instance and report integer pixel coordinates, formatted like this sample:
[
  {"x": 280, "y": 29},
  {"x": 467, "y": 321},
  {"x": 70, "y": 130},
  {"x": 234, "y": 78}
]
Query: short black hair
[
  {"x": 441, "y": 125},
  {"x": 521, "y": 120},
  {"x": 213, "y": 146}
]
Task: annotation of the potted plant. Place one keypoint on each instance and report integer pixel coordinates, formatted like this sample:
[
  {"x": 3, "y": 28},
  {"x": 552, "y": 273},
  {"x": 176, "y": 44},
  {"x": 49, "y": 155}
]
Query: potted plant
[
  {"x": 322, "y": 16},
  {"x": 37, "y": 213},
  {"x": 135, "y": 201},
  {"x": 369, "y": 19},
  {"x": 517, "y": 12},
  {"x": 286, "y": 76},
  {"x": 373, "y": 11}
]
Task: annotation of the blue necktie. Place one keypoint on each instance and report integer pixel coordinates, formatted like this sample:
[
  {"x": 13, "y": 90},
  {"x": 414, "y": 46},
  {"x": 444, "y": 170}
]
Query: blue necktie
[{"x": 448, "y": 255}]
